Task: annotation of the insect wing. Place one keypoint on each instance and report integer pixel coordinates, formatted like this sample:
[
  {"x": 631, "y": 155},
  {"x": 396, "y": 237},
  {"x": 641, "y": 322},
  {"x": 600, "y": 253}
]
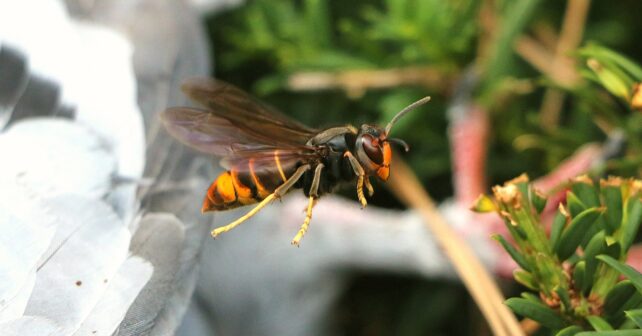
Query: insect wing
[
  {"x": 208, "y": 133},
  {"x": 243, "y": 110}
]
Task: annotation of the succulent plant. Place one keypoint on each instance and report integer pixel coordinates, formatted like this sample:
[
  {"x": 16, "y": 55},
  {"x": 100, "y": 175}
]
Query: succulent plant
[{"x": 573, "y": 271}]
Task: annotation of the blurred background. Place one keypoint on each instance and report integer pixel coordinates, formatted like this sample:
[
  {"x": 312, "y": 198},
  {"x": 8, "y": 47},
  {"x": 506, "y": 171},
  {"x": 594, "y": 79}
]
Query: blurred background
[{"x": 542, "y": 87}]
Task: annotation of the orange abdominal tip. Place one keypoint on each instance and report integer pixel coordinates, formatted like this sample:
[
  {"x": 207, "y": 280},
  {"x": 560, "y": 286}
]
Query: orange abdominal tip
[{"x": 208, "y": 205}]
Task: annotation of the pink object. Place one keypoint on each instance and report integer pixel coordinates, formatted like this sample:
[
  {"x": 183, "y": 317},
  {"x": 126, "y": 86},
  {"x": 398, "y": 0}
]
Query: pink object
[{"x": 468, "y": 136}]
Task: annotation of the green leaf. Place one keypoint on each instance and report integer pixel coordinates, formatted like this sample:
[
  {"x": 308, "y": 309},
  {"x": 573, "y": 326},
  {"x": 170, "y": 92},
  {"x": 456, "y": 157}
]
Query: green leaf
[
  {"x": 611, "y": 333},
  {"x": 626, "y": 63},
  {"x": 629, "y": 272},
  {"x": 525, "y": 278},
  {"x": 600, "y": 52},
  {"x": 610, "y": 77},
  {"x": 556, "y": 229},
  {"x": 599, "y": 225},
  {"x": 635, "y": 315},
  {"x": 564, "y": 297},
  {"x": 595, "y": 247},
  {"x": 531, "y": 297},
  {"x": 613, "y": 202},
  {"x": 618, "y": 296},
  {"x": 632, "y": 220},
  {"x": 512, "y": 251},
  {"x": 614, "y": 250},
  {"x": 580, "y": 276},
  {"x": 573, "y": 235},
  {"x": 539, "y": 200},
  {"x": 574, "y": 204},
  {"x": 619, "y": 318},
  {"x": 627, "y": 324},
  {"x": 598, "y": 323},
  {"x": 537, "y": 312},
  {"x": 586, "y": 193},
  {"x": 569, "y": 331}
]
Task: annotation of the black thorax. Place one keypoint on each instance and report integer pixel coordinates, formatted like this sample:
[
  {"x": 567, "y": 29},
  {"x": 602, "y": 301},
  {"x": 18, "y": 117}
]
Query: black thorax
[{"x": 337, "y": 168}]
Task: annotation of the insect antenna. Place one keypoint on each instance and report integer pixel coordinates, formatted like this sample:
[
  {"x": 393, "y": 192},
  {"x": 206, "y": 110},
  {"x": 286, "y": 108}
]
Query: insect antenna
[
  {"x": 400, "y": 143},
  {"x": 406, "y": 110}
]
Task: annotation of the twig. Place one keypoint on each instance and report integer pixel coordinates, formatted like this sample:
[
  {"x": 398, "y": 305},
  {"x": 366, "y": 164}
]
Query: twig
[
  {"x": 546, "y": 34},
  {"x": 357, "y": 82},
  {"x": 563, "y": 65},
  {"x": 488, "y": 23},
  {"x": 483, "y": 289},
  {"x": 551, "y": 108},
  {"x": 536, "y": 54}
]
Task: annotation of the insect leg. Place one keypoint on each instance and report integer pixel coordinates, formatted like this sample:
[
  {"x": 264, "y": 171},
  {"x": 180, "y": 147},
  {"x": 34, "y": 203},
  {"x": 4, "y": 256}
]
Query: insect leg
[
  {"x": 369, "y": 186},
  {"x": 358, "y": 170},
  {"x": 283, "y": 188},
  {"x": 314, "y": 188},
  {"x": 280, "y": 191},
  {"x": 306, "y": 222}
]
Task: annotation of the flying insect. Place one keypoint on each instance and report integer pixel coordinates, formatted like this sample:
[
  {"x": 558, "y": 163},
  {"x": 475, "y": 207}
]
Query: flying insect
[{"x": 267, "y": 154}]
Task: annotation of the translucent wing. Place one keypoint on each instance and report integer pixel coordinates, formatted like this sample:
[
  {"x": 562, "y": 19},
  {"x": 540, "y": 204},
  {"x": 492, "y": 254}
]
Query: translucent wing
[
  {"x": 247, "y": 134},
  {"x": 243, "y": 110},
  {"x": 213, "y": 134}
]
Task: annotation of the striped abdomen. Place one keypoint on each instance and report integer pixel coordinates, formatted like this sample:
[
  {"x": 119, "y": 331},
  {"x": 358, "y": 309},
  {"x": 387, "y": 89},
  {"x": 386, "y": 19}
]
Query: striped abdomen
[{"x": 247, "y": 183}]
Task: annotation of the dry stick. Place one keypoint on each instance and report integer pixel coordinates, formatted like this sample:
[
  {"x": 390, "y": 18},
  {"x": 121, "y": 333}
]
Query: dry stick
[
  {"x": 570, "y": 38},
  {"x": 356, "y": 82},
  {"x": 488, "y": 24},
  {"x": 405, "y": 185},
  {"x": 536, "y": 54},
  {"x": 546, "y": 34}
]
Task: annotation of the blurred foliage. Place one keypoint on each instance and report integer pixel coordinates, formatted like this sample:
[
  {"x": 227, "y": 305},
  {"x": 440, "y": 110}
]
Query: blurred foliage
[
  {"x": 334, "y": 35},
  {"x": 621, "y": 77},
  {"x": 261, "y": 45}
]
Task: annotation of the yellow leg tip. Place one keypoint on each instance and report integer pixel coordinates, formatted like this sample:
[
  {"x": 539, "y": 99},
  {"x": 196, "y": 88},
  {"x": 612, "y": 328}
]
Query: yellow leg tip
[
  {"x": 306, "y": 223},
  {"x": 296, "y": 242},
  {"x": 304, "y": 228}
]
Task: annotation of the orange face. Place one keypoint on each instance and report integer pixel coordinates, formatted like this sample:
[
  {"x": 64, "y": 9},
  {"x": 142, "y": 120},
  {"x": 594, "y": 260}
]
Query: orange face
[
  {"x": 374, "y": 152},
  {"x": 384, "y": 170}
]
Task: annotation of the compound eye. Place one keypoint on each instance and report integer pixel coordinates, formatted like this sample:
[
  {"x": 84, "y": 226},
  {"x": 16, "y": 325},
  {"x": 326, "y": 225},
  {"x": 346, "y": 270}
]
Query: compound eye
[{"x": 372, "y": 149}]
